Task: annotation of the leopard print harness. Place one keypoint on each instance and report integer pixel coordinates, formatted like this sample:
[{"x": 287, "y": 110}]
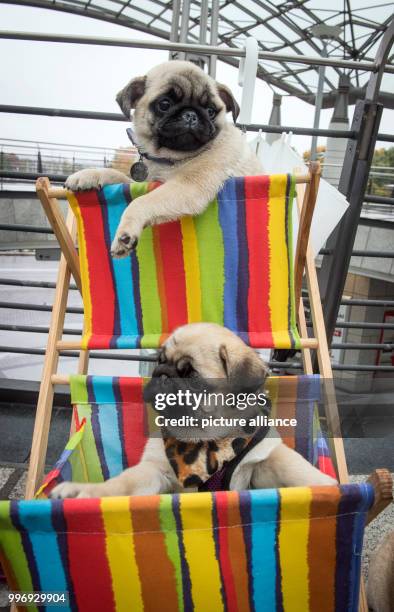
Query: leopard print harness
[{"x": 209, "y": 464}]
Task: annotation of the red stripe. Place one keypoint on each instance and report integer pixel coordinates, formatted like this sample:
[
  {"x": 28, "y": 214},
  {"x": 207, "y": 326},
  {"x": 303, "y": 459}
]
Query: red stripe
[
  {"x": 153, "y": 185},
  {"x": 133, "y": 415},
  {"x": 326, "y": 466},
  {"x": 88, "y": 563},
  {"x": 170, "y": 237},
  {"x": 221, "y": 502},
  {"x": 257, "y": 219},
  {"x": 100, "y": 277}
]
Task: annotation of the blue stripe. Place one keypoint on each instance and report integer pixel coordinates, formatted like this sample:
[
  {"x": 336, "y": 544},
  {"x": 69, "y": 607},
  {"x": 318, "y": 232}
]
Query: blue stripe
[
  {"x": 62, "y": 459},
  {"x": 228, "y": 221},
  {"x": 36, "y": 518},
  {"x": 66, "y": 472},
  {"x": 365, "y": 502},
  {"x": 135, "y": 273},
  {"x": 304, "y": 415},
  {"x": 126, "y": 341},
  {"x": 264, "y": 511},
  {"x": 116, "y": 203},
  {"x": 108, "y": 423},
  {"x": 120, "y": 410},
  {"x": 26, "y": 543}
]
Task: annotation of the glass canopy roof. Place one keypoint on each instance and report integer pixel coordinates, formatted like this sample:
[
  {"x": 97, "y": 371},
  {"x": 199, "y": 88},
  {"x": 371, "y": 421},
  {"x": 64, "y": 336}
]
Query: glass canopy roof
[{"x": 287, "y": 27}]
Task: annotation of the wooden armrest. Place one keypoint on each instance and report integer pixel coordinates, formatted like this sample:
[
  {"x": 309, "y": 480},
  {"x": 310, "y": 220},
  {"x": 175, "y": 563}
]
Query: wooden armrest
[
  {"x": 58, "y": 224},
  {"x": 382, "y": 483}
]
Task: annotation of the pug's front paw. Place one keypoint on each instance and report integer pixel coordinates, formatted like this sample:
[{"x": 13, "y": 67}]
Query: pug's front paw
[
  {"x": 91, "y": 178},
  {"x": 126, "y": 239},
  {"x": 74, "y": 489}
]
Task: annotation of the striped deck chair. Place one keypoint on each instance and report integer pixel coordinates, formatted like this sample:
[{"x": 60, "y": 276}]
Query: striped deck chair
[
  {"x": 262, "y": 550},
  {"x": 286, "y": 549}
]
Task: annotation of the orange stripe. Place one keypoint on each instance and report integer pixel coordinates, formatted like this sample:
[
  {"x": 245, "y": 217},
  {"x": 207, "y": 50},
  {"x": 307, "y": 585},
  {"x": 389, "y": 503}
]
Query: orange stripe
[
  {"x": 157, "y": 575},
  {"x": 286, "y": 408},
  {"x": 9, "y": 573},
  {"x": 322, "y": 548},
  {"x": 237, "y": 552}
]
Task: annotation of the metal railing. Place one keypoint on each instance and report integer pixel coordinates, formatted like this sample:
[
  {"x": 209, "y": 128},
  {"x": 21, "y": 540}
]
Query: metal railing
[{"x": 26, "y": 159}]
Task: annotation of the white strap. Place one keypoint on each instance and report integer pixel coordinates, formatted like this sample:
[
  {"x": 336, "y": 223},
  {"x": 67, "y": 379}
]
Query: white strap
[{"x": 247, "y": 79}]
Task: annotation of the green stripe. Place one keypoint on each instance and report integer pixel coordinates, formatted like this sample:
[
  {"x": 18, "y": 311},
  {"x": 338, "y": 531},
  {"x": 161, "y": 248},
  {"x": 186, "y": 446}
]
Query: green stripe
[
  {"x": 78, "y": 473},
  {"x": 211, "y": 256},
  {"x": 77, "y": 467},
  {"x": 83, "y": 441},
  {"x": 88, "y": 445},
  {"x": 138, "y": 189},
  {"x": 79, "y": 392},
  {"x": 168, "y": 526},
  {"x": 149, "y": 291},
  {"x": 289, "y": 204},
  {"x": 75, "y": 439},
  {"x": 12, "y": 548}
]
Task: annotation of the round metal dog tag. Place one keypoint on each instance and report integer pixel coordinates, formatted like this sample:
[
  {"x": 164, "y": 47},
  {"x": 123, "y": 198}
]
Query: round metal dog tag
[{"x": 139, "y": 171}]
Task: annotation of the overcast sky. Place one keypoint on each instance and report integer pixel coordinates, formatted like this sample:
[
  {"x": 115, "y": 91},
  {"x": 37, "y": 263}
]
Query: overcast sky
[{"x": 88, "y": 78}]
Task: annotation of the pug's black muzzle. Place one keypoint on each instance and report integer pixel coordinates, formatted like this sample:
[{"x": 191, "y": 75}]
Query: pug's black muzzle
[
  {"x": 166, "y": 379},
  {"x": 186, "y": 129}
]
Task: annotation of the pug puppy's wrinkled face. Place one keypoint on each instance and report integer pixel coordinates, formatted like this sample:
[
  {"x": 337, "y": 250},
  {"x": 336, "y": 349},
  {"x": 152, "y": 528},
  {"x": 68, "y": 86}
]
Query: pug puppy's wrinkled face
[
  {"x": 207, "y": 357},
  {"x": 178, "y": 108}
]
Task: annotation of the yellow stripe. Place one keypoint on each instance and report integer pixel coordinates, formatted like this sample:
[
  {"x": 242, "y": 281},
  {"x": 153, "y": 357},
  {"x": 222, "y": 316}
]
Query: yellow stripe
[
  {"x": 278, "y": 266},
  {"x": 293, "y": 547},
  {"x": 196, "y": 515},
  {"x": 192, "y": 269},
  {"x": 83, "y": 262},
  {"x": 121, "y": 554}
]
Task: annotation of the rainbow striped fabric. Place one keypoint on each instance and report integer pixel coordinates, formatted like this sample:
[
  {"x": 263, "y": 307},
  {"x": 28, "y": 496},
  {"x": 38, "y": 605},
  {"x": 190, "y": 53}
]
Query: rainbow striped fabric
[
  {"x": 112, "y": 425},
  {"x": 291, "y": 550},
  {"x": 231, "y": 265}
]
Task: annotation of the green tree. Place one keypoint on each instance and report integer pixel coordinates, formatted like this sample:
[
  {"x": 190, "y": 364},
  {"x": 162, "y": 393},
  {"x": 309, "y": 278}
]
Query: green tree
[{"x": 382, "y": 184}]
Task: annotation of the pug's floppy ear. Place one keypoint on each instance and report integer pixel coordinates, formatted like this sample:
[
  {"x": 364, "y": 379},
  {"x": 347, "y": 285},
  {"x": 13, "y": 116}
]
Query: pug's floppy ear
[
  {"x": 230, "y": 102},
  {"x": 128, "y": 97},
  {"x": 245, "y": 371}
]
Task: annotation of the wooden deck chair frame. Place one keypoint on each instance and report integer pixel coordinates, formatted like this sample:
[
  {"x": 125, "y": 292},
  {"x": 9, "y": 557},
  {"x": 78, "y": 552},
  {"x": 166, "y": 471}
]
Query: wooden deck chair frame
[{"x": 65, "y": 232}]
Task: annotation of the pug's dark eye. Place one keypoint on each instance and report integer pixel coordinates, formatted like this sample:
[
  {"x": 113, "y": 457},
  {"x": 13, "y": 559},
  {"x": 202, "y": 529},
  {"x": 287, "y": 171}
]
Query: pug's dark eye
[
  {"x": 184, "y": 368},
  {"x": 211, "y": 111},
  {"x": 164, "y": 104}
]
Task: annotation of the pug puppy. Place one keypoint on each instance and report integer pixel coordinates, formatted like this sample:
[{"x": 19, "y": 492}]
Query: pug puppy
[
  {"x": 186, "y": 142},
  {"x": 206, "y": 354}
]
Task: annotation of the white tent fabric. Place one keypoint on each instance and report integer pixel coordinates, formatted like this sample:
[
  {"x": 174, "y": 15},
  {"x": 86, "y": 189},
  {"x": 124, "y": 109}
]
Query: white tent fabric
[{"x": 330, "y": 206}]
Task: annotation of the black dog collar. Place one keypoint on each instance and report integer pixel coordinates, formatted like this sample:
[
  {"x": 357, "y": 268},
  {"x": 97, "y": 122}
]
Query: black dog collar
[
  {"x": 139, "y": 170},
  {"x": 158, "y": 160}
]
